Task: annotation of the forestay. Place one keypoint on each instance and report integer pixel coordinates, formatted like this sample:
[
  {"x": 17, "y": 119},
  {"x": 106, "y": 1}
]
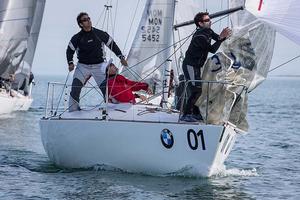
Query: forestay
[{"x": 245, "y": 59}]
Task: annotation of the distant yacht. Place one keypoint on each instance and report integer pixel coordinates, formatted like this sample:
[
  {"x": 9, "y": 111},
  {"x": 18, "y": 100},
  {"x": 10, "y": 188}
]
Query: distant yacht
[{"x": 20, "y": 22}]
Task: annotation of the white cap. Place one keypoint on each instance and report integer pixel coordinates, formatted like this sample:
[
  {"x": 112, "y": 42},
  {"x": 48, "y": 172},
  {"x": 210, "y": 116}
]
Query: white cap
[{"x": 109, "y": 62}]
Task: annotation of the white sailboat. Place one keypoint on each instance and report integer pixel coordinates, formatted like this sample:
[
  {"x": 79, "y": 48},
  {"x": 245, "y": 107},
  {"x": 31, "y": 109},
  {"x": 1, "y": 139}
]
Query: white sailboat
[
  {"x": 149, "y": 138},
  {"x": 20, "y": 23}
]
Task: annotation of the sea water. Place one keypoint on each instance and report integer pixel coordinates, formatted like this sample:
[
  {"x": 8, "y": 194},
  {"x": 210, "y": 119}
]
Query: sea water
[{"x": 264, "y": 164}]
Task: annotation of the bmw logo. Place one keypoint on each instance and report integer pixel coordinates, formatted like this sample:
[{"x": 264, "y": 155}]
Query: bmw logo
[{"x": 166, "y": 138}]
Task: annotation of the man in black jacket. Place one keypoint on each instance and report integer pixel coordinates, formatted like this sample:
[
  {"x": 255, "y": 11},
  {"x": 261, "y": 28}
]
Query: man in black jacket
[
  {"x": 195, "y": 58},
  {"x": 88, "y": 44}
]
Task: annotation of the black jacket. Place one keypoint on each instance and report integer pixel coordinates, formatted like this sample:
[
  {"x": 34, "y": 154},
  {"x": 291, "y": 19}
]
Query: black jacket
[
  {"x": 89, "y": 46},
  {"x": 200, "y": 46}
]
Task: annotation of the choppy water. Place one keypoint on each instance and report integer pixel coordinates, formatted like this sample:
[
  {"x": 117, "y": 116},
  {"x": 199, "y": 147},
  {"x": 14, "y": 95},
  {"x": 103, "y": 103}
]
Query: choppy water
[{"x": 264, "y": 164}]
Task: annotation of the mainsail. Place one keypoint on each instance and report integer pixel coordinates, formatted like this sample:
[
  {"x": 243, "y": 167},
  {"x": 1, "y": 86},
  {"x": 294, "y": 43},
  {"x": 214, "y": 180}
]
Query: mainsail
[
  {"x": 245, "y": 60},
  {"x": 152, "y": 44},
  {"x": 16, "y": 23}
]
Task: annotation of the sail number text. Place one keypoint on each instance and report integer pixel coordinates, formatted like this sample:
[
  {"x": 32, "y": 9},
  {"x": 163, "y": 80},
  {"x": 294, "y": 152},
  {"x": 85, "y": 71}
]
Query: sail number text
[
  {"x": 194, "y": 139},
  {"x": 151, "y": 31}
]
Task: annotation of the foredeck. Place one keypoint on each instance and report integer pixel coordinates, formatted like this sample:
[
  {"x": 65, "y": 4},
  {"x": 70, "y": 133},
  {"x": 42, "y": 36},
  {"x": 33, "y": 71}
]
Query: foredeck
[{"x": 125, "y": 112}]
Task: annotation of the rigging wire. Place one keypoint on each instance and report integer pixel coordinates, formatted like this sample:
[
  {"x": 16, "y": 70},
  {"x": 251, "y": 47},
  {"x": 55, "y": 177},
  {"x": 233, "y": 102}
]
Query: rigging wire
[
  {"x": 292, "y": 59},
  {"x": 80, "y": 98},
  {"x": 61, "y": 93},
  {"x": 186, "y": 38},
  {"x": 133, "y": 73},
  {"x": 100, "y": 17},
  {"x": 115, "y": 19},
  {"x": 142, "y": 79},
  {"x": 114, "y": 23},
  {"x": 104, "y": 19},
  {"x": 134, "y": 15},
  {"x": 112, "y": 31}
]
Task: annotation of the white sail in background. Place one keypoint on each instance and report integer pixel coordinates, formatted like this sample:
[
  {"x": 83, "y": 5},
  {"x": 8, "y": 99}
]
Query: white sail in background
[
  {"x": 23, "y": 73},
  {"x": 35, "y": 30},
  {"x": 283, "y": 15},
  {"x": 15, "y": 26},
  {"x": 153, "y": 36}
]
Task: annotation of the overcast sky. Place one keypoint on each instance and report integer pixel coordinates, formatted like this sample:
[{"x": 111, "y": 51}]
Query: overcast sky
[{"x": 59, "y": 25}]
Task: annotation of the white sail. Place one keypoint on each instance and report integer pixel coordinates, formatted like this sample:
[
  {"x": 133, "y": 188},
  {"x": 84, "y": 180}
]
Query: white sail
[
  {"x": 23, "y": 72},
  {"x": 35, "y": 30},
  {"x": 15, "y": 25},
  {"x": 20, "y": 22},
  {"x": 150, "y": 46},
  {"x": 283, "y": 15},
  {"x": 258, "y": 51}
]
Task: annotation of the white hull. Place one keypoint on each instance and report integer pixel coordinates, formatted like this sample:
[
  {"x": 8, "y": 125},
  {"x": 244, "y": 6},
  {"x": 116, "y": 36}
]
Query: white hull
[
  {"x": 135, "y": 146},
  {"x": 18, "y": 102},
  {"x": 23, "y": 103},
  {"x": 7, "y": 103}
]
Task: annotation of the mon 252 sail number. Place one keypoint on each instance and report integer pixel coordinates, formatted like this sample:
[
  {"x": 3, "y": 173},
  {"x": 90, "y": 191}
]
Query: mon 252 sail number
[{"x": 150, "y": 33}]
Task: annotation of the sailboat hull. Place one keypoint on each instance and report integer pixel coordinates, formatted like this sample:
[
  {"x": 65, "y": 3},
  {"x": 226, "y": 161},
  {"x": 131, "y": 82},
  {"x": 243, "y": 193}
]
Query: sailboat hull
[
  {"x": 18, "y": 102},
  {"x": 23, "y": 103},
  {"x": 7, "y": 102},
  {"x": 137, "y": 146}
]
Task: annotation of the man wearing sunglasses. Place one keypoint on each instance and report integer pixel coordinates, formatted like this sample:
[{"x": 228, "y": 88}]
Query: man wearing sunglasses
[
  {"x": 195, "y": 58},
  {"x": 89, "y": 44}
]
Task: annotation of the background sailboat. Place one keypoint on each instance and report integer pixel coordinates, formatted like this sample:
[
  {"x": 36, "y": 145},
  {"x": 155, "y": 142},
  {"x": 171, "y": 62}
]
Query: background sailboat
[
  {"x": 19, "y": 29},
  {"x": 138, "y": 138}
]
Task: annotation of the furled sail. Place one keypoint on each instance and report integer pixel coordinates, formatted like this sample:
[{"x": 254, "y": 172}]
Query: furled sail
[
  {"x": 16, "y": 21},
  {"x": 245, "y": 60},
  {"x": 283, "y": 15},
  {"x": 149, "y": 50}
]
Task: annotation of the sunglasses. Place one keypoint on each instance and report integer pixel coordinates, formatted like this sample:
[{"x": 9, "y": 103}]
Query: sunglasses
[
  {"x": 85, "y": 19},
  {"x": 206, "y": 20}
]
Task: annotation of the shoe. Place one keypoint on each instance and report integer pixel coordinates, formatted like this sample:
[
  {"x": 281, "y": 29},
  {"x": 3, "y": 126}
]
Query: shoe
[
  {"x": 188, "y": 118},
  {"x": 72, "y": 109},
  {"x": 198, "y": 117}
]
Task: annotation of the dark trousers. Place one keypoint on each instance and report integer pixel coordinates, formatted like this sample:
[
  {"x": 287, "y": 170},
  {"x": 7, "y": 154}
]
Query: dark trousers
[{"x": 194, "y": 89}]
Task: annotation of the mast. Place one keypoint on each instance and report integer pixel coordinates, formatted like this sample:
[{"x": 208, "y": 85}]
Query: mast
[{"x": 167, "y": 65}]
